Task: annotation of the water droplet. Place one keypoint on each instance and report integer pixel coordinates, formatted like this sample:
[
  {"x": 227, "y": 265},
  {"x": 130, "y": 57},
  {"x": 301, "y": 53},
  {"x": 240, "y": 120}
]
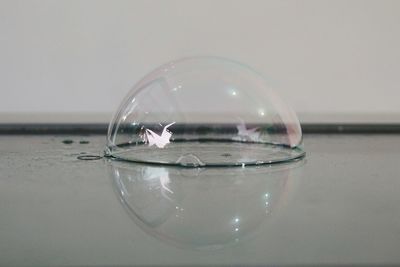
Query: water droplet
[
  {"x": 190, "y": 160},
  {"x": 89, "y": 157}
]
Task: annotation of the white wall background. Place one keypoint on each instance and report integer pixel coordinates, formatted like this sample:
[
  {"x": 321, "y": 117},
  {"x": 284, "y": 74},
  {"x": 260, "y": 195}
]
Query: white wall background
[{"x": 75, "y": 60}]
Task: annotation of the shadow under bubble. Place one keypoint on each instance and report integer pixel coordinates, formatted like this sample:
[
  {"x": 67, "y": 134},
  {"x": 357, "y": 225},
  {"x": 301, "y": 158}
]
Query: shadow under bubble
[{"x": 201, "y": 208}]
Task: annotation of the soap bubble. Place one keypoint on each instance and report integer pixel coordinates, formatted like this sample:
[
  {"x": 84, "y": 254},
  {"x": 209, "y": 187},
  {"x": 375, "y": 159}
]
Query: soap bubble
[{"x": 204, "y": 111}]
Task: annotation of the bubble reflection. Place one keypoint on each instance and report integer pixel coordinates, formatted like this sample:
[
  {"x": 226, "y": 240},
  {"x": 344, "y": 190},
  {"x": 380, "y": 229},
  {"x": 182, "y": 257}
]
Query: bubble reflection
[{"x": 201, "y": 208}]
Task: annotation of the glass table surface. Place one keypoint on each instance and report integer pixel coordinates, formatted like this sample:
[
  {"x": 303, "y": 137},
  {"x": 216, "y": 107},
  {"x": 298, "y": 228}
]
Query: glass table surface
[{"x": 340, "y": 205}]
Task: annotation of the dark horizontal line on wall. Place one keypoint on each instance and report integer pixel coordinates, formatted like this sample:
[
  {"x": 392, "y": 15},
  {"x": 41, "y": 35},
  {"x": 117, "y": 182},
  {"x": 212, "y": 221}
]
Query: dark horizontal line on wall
[
  {"x": 87, "y": 129},
  {"x": 53, "y": 128},
  {"x": 351, "y": 128}
]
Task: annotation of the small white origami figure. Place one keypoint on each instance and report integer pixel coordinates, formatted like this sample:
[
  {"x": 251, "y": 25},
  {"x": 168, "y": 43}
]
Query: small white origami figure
[
  {"x": 159, "y": 140},
  {"x": 252, "y": 134}
]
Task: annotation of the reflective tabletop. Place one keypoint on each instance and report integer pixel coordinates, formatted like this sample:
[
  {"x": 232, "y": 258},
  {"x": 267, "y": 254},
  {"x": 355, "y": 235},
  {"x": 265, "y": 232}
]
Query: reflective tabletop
[{"x": 340, "y": 205}]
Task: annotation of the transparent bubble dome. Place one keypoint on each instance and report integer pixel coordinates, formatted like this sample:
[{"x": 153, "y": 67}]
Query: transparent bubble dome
[{"x": 204, "y": 111}]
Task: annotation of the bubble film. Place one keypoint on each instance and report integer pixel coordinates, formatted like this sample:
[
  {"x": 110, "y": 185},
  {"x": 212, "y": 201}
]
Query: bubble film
[{"x": 204, "y": 111}]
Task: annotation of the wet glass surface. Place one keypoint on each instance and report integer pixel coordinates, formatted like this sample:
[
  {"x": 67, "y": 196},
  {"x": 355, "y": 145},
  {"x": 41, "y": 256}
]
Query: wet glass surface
[{"x": 338, "y": 206}]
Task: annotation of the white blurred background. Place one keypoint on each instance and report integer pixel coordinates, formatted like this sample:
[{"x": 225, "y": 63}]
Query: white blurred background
[{"x": 73, "y": 61}]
